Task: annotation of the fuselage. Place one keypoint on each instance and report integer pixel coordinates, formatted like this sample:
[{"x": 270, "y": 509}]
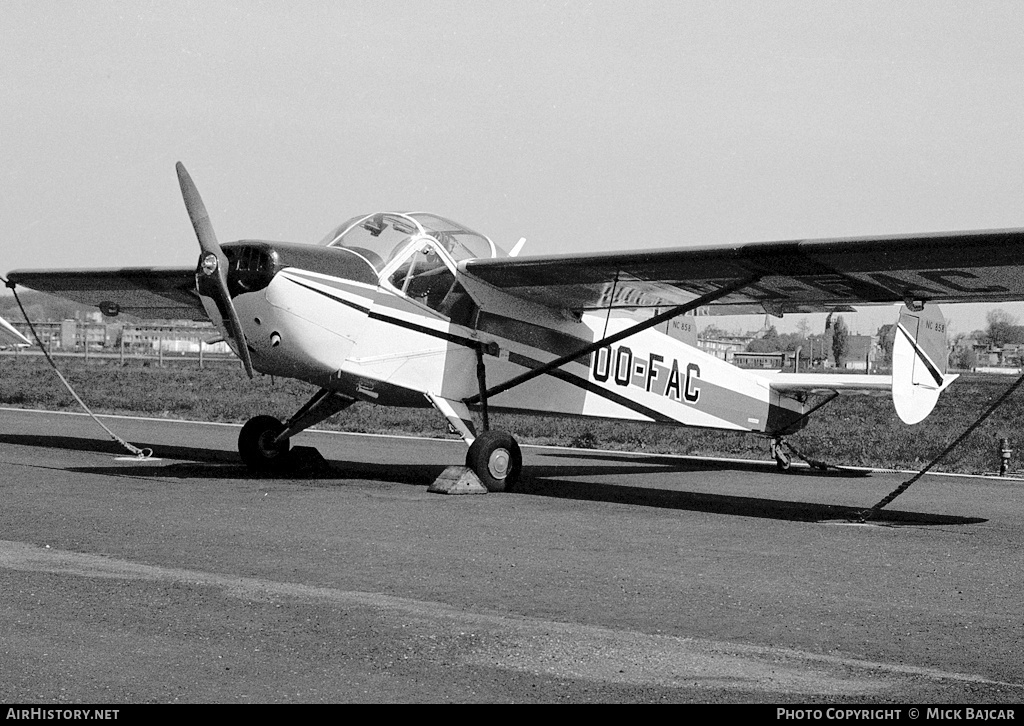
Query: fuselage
[{"x": 392, "y": 329}]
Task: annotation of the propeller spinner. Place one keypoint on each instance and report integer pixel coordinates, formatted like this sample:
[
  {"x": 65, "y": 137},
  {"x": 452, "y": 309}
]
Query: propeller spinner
[{"x": 211, "y": 273}]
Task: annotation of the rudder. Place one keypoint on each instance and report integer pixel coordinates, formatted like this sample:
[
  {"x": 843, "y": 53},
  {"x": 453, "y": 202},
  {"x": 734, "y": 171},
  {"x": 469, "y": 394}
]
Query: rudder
[{"x": 919, "y": 362}]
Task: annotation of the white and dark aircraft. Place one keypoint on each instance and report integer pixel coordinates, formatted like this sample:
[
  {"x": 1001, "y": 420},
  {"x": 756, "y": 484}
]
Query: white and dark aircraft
[{"x": 411, "y": 309}]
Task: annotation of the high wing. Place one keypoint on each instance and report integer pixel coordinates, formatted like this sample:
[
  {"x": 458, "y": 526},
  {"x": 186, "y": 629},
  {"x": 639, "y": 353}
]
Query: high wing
[
  {"x": 776, "y": 277},
  {"x": 146, "y": 292}
]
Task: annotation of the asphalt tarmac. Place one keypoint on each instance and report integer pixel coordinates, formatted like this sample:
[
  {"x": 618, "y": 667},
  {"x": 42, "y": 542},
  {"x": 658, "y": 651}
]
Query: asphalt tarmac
[{"x": 606, "y": 578}]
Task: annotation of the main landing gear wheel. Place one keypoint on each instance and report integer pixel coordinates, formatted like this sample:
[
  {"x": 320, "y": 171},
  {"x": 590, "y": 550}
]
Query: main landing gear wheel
[
  {"x": 496, "y": 460},
  {"x": 256, "y": 444}
]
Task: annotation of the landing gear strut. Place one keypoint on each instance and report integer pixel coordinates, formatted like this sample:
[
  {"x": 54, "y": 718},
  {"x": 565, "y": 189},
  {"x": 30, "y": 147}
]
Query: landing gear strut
[{"x": 494, "y": 456}]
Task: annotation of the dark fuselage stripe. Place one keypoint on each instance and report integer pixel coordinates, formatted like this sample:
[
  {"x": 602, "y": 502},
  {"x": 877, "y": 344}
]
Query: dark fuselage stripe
[
  {"x": 375, "y": 315},
  {"x": 531, "y": 334},
  {"x": 342, "y": 300},
  {"x": 450, "y": 337},
  {"x": 592, "y": 387}
]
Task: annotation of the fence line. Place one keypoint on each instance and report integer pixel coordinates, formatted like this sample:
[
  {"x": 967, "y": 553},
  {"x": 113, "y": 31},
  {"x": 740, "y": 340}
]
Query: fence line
[
  {"x": 127, "y": 342},
  {"x": 123, "y": 359}
]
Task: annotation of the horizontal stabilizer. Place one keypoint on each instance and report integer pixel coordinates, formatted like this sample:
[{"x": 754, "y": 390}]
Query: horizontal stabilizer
[
  {"x": 821, "y": 383},
  {"x": 919, "y": 363}
]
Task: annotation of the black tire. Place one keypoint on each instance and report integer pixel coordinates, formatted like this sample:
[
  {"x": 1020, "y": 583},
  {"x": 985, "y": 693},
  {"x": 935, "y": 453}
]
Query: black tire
[
  {"x": 783, "y": 461},
  {"x": 496, "y": 460},
  {"x": 256, "y": 447}
]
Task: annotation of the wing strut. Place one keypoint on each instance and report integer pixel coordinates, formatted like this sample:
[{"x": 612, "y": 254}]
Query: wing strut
[
  {"x": 608, "y": 340},
  {"x": 481, "y": 379}
]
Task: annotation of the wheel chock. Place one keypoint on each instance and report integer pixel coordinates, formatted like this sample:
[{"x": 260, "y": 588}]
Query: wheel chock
[
  {"x": 457, "y": 480},
  {"x": 307, "y": 461}
]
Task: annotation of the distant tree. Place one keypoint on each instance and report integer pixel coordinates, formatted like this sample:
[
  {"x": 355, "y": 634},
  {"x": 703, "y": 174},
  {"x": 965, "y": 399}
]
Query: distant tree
[
  {"x": 1002, "y": 328},
  {"x": 713, "y": 332},
  {"x": 767, "y": 343},
  {"x": 840, "y": 340},
  {"x": 886, "y": 336},
  {"x": 961, "y": 353}
]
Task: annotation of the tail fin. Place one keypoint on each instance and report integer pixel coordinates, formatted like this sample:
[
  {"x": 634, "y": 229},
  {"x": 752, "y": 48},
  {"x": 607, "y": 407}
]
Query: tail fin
[
  {"x": 682, "y": 328},
  {"x": 919, "y": 363}
]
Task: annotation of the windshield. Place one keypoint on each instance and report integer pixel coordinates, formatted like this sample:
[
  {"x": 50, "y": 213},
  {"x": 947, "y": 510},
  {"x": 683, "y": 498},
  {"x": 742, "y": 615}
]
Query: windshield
[{"x": 379, "y": 237}]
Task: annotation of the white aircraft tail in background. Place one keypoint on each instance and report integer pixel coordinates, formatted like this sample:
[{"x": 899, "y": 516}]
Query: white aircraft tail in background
[{"x": 9, "y": 335}]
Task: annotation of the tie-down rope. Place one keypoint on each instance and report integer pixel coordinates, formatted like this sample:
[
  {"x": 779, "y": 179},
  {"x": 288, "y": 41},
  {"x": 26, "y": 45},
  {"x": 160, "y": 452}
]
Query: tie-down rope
[
  {"x": 140, "y": 453},
  {"x": 870, "y": 513}
]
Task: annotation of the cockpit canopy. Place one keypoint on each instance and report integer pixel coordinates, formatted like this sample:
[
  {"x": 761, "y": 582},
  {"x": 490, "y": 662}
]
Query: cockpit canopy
[{"x": 380, "y": 237}]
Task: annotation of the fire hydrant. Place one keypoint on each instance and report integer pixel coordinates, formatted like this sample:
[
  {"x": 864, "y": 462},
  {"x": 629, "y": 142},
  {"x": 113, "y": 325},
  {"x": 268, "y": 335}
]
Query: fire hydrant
[{"x": 1005, "y": 452}]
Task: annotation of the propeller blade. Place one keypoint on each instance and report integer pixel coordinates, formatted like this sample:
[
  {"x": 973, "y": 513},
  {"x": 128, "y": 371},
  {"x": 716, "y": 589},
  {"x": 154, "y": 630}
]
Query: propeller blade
[{"x": 211, "y": 274}]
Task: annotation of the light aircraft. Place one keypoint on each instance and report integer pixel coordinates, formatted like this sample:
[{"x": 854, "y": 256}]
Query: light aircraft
[{"x": 411, "y": 309}]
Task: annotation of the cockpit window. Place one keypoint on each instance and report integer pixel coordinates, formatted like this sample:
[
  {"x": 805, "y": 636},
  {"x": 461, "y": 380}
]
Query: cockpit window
[
  {"x": 380, "y": 237},
  {"x": 374, "y": 237},
  {"x": 424, "y": 277},
  {"x": 462, "y": 243}
]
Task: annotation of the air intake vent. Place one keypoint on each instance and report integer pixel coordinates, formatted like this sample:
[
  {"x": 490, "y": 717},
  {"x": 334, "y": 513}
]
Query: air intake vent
[{"x": 250, "y": 268}]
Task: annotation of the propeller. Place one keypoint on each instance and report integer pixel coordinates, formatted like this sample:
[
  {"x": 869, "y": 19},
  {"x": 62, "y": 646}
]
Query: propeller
[{"x": 211, "y": 274}]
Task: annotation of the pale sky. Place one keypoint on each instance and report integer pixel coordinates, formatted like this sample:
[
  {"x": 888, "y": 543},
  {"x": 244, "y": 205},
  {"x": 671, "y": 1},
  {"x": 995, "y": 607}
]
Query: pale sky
[{"x": 582, "y": 126}]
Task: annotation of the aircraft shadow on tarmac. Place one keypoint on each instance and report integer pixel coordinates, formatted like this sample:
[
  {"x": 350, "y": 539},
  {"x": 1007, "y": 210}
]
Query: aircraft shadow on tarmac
[
  {"x": 109, "y": 446},
  {"x": 666, "y": 462},
  {"x": 546, "y": 480}
]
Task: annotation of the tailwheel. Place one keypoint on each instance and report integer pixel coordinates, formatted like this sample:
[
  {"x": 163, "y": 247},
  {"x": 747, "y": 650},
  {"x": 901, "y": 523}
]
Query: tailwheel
[
  {"x": 783, "y": 460},
  {"x": 496, "y": 460},
  {"x": 256, "y": 444}
]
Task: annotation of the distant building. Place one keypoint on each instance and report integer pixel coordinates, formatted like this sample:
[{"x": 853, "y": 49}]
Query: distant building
[
  {"x": 1008, "y": 355},
  {"x": 762, "y": 361},
  {"x": 181, "y": 337},
  {"x": 1012, "y": 354},
  {"x": 724, "y": 346}
]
